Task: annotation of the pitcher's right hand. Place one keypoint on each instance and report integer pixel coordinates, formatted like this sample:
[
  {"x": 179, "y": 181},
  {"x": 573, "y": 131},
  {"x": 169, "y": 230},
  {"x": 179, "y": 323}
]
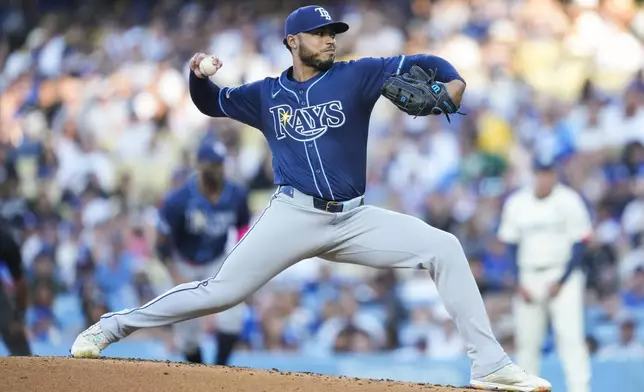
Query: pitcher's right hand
[{"x": 196, "y": 60}]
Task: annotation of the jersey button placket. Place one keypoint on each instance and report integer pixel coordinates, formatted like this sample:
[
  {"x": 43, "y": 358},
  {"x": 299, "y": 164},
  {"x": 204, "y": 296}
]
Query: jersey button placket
[
  {"x": 314, "y": 166},
  {"x": 302, "y": 102}
]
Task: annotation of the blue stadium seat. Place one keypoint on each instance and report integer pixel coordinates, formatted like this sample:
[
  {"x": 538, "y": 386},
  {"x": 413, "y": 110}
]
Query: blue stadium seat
[
  {"x": 68, "y": 311},
  {"x": 639, "y": 334},
  {"x": 638, "y": 315},
  {"x": 593, "y": 316},
  {"x": 410, "y": 333},
  {"x": 142, "y": 349},
  {"x": 606, "y": 333},
  {"x": 49, "y": 349},
  {"x": 377, "y": 311}
]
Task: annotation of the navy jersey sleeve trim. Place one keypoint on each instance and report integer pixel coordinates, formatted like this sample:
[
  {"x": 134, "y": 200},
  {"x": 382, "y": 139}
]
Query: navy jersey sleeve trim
[
  {"x": 221, "y": 104},
  {"x": 400, "y": 64}
]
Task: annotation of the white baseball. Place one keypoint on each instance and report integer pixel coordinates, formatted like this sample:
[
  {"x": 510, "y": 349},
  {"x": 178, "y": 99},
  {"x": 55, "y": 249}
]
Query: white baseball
[{"x": 207, "y": 66}]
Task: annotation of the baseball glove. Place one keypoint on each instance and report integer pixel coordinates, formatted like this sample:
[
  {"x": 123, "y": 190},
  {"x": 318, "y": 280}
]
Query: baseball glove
[{"x": 419, "y": 94}]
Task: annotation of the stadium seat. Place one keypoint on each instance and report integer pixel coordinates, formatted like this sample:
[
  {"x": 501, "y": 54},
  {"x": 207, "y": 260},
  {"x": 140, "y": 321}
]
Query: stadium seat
[
  {"x": 69, "y": 313},
  {"x": 606, "y": 334}
]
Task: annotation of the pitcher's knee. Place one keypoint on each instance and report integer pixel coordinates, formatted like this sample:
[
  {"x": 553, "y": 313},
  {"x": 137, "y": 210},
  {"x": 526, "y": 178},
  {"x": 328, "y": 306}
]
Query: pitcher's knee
[
  {"x": 451, "y": 249},
  {"x": 444, "y": 251}
]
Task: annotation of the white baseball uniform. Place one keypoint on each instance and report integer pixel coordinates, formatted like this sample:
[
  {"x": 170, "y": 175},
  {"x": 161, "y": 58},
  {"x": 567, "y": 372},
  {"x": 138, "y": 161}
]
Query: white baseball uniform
[{"x": 545, "y": 231}]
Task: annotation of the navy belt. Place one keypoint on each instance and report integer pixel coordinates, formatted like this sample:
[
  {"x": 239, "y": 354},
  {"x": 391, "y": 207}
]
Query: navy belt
[{"x": 318, "y": 203}]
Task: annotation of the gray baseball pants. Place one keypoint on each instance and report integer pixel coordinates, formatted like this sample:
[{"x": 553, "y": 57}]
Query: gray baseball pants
[
  {"x": 290, "y": 229},
  {"x": 188, "y": 333}
]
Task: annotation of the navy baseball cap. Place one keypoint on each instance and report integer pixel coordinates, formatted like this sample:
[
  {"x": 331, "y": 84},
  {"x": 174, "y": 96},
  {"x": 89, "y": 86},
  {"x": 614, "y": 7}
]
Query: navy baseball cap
[
  {"x": 212, "y": 152},
  {"x": 310, "y": 18},
  {"x": 544, "y": 163}
]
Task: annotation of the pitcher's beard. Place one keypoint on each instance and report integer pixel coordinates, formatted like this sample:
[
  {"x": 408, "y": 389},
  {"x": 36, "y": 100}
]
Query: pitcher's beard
[{"x": 309, "y": 59}]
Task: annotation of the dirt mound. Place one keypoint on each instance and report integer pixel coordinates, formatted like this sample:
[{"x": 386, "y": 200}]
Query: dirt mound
[{"x": 58, "y": 374}]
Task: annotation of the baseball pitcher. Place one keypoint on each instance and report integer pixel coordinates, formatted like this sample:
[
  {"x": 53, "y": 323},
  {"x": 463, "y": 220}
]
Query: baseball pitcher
[
  {"x": 195, "y": 220},
  {"x": 315, "y": 117},
  {"x": 544, "y": 226}
]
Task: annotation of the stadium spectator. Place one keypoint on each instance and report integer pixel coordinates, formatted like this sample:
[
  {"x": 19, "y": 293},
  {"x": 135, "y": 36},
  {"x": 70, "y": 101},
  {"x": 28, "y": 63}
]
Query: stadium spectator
[{"x": 627, "y": 346}]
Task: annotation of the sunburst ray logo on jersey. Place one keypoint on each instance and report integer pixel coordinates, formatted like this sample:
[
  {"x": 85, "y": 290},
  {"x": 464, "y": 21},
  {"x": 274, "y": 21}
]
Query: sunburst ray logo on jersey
[{"x": 286, "y": 116}]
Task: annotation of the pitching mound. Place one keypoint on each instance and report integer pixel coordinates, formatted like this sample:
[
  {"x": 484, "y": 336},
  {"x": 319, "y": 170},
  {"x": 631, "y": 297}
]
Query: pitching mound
[{"x": 59, "y": 374}]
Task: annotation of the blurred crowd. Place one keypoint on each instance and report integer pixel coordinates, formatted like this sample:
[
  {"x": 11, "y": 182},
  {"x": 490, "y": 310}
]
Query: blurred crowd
[{"x": 97, "y": 124}]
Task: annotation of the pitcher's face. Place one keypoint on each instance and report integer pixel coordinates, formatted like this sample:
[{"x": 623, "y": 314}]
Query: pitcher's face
[{"x": 317, "y": 48}]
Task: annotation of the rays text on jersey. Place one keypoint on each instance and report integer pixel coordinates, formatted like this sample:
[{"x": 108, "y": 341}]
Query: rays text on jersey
[
  {"x": 308, "y": 123},
  {"x": 210, "y": 224}
]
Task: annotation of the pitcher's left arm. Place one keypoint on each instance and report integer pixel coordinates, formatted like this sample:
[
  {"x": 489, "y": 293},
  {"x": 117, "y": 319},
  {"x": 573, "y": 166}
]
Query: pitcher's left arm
[{"x": 374, "y": 72}]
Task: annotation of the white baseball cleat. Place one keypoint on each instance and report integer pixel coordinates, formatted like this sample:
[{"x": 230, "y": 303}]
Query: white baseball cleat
[
  {"x": 511, "y": 378},
  {"x": 90, "y": 343}
]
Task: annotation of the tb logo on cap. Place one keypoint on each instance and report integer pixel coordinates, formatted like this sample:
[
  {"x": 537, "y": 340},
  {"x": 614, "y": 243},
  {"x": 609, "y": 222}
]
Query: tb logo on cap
[{"x": 323, "y": 13}]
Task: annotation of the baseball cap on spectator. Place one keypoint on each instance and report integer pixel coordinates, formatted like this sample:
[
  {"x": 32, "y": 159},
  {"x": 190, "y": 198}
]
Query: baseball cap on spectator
[
  {"x": 543, "y": 161},
  {"x": 46, "y": 251},
  {"x": 310, "y": 18}
]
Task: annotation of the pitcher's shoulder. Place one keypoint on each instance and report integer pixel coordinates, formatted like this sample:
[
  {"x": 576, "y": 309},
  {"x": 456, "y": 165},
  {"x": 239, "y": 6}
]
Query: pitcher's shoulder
[
  {"x": 351, "y": 66},
  {"x": 259, "y": 84},
  {"x": 270, "y": 80},
  {"x": 355, "y": 62},
  {"x": 372, "y": 65}
]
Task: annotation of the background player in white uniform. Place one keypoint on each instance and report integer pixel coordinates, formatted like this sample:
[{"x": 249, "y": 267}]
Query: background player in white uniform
[{"x": 545, "y": 225}]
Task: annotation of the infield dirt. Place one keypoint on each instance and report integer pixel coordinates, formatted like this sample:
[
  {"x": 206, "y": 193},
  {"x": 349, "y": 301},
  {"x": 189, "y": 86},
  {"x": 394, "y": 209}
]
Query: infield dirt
[{"x": 60, "y": 374}]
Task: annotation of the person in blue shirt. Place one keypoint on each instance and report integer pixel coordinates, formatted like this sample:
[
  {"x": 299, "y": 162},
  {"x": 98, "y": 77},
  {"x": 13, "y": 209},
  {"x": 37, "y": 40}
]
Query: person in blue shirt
[
  {"x": 315, "y": 118},
  {"x": 195, "y": 221}
]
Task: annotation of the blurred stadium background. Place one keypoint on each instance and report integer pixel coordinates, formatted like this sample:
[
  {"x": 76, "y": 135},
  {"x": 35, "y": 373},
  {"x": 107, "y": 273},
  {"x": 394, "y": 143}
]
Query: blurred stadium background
[{"x": 96, "y": 124}]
